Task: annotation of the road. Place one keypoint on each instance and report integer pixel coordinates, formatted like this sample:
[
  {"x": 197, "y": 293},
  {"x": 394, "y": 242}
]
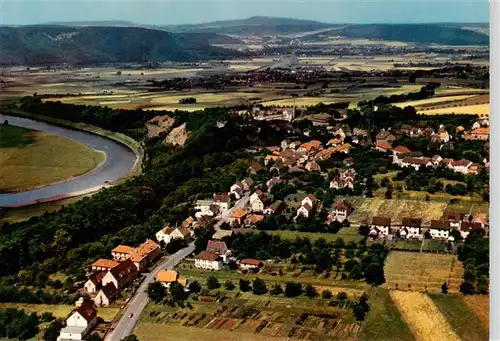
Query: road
[
  {"x": 119, "y": 162},
  {"x": 225, "y": 216},
  {"x": 126, "y": 324}
]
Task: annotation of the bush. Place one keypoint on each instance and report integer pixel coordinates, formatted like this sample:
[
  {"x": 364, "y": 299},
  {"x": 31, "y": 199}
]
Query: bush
[
  {"x": 259, "y": 287},
  {"x": 326, "y": 294},
  {"x": 310, "y": 291},
  {"x": 244, "y": 285},
  {"x": 341, "y": 295},
  {"x": 212, "y": 283},
  {"x": 276, "y": 290},
  {"x": 293, "y": 289},
  {"x": 229, "y": 285}
]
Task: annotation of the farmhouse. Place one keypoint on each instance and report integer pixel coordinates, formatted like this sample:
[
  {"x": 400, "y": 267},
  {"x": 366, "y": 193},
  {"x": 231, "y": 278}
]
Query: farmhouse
[
  {"x": 383, "y": 146},
  {"x": 341, "y": 211},
  {"x": 439, "y": 229},
  {"x": 416, "y": 163},
  {"x": 105, "y": 295},
  {"x": 460, "y": 166},
  {"x": 312, "y": 166},
  {"x": 454, "y": 218},
  {"x": 94, "y": 282},
  {"x": 208, "y": 260},
  {"x": 104, "y": 264},
  {"x": 80, "y": 323},
  {"x": 467, "y": 227},
  {"x": 222, "y": 200},
  {"x": 121, "y": 275},
  {"x": 380, "y": 226},
  {"x": 238, "y": 216},
  {"x": 385, "y": 136},
  {"x": 250, "y": 263},
  {"x": 275, "y": 207},
  {"x": 218, "y": 248},
  {"x": 411, "y": 227}
]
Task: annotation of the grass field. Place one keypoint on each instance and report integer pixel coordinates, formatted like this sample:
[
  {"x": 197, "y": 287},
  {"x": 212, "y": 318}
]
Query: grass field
[
  {"x": 433, "y": 100},
  {"x": 422, "y": 269},
  {"x": 384, "y": 321},
  {"x": 481, "y": 109},
  {"x": 465, "y": 324},
  {"x": 347, "y": 234},
  {"x": 480, "y": 306},
  {"x": 423, "y": 317},
  {"x": 32, "y": 159},
  {"x": 59, "y": 310}
]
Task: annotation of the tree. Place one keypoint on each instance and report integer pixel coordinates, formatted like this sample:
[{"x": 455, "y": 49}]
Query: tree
[
  {"x": 359, "y": 312},
  {"x": 326, "y": 294},
  {"x": 310, "y": 291},
  {"x": 482, "y": 285},
  {"x": 244, "y": 285},
  {"x": 52, "y": 331},
  {"x": 341, "y": 295},
  {"x": 130, "y": 338},
  {"x": 177, "y": 292},
  {"x": 467, "y": 288},
  {"x": 259, "y": 287},
  {"x": 194, "y": 287},
  {"x": 293, "y": 289},
  {"x": 444, "y": 288},
  {"x": 276, "y": 290},
  {"x": 388, "y": 194},
  {"x": 374, "y": 274},
  {"x": 364, "y": 230},
  {"x": 229, "y": 285},
  {"x": 212, "y": 283},
  {"x": 156, "y": 291}
]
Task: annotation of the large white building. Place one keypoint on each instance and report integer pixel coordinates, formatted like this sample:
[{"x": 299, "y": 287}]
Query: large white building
[
  {"x": 80, "y": 323},
  {"x": 208, "y": 260}
]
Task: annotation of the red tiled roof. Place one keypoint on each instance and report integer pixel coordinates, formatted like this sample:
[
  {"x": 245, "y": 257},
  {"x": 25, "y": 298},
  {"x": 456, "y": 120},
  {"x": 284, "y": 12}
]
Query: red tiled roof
[
  {"x": 312, "y": 197},
  {"x": 87, "y": 311},
  {"x": 97, "y": 277},
  {"x": 216, "y": 246},
  {"x": 381, "y": 221},
  {"x": 123, "y": 269},
  {"x": 383, "y": 145},
  {"x": 207, "y": 255},
  {"x": 251, "y": 261},
  {"x": 105, "y": 263},
  {"x": 402, "y": 149}
]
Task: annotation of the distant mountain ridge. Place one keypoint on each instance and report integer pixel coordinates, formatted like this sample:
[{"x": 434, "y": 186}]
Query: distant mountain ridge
[{"x": 43, "y": 45}]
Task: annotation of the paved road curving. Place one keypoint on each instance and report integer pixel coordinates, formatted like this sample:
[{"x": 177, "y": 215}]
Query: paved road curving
[
  {"x": 127, "y": 323},
  {"x": 119, "y": 162}
]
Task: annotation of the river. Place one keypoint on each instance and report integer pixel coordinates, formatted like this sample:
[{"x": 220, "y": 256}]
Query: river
[{"x": 119, "y": 162}]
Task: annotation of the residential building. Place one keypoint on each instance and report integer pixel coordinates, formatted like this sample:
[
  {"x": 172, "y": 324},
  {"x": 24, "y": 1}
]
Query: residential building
[
  {"x": 400, "y": 150},
  {"x": 219, "y": 248},
  {"x": 305, "y": 210},
  {"x": 220, "y": 234},
  {"x": 121, "y": 252},
  {"x": 481, "y": 134},
  {"x": 208, "y": 261},
  {"x": 454, "y": 218},
  {"x": 467, "y": 227},
  {"x": 312, "y": 166},
  {"x": 385, "y": 136},
  {"x": 339, "y": 183},
  {"x": 383, "y": 146},
  {"x": 188, "y": 222},
  {"x": 255, "y": 195},
  {"x": 167, "y": 277},
  {"x": 273, "y": 181},
  {"x": 460, "y": 166},
  {"x": 93, "y": 284},
  {"x": 259, "y": 203},
  {"x": 203, "y": 205},
  {"x": 121, "y": 275},
  {"x": 310, "y": 146},
  {"x": 440, "y": 229},
  {"x": 222, "y": 200},
  {"x": 255, "y": 167},
  {"x": 380, "y": 226},
  {"x": 167, "y": 234},
  {"x": 104, "y": 264},
  {"x": 250, "y": 263},
  {"x": 341, "y": 211},
  {"x": 80, "y": 323},
  {"x": 253, "y": 219},
  {"x": 238, "y": 216},
  {"x": 416, "y": 163},
  {"x": 412, "y": 227},
  {"x": 236, "y": 189},
  {"x": 105, "y": 295},
  {"x": 247, "y": 184},
  {"x": 444, "y": 136},
  {"x": 275, "y": 207},
  {"x": 143, "y": 255},
  {"x": 309, "y": 199}
]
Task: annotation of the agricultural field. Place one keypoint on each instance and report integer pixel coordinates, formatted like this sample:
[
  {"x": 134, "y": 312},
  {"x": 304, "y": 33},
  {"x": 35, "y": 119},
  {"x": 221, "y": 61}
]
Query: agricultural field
[
  {"x": 249, "y": 317},
  {"x": 384, "y": 321},
  {"x": 347, "y": 234},
  {"x": 480, "y": 306},
  {"x": 417, "y": 270},
  {"x": 59, "y": 310},
  {"x": 33, "y": 159},
  {"x": 423, "y": 317},
  {"x": 483, "y": 110},
  {"x": 462, "y": 320}
]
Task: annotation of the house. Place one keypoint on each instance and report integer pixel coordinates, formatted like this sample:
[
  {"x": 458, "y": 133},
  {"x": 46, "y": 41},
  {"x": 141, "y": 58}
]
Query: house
[
  {"x": 250, "y": 263},
  {"x": 219, "y": 234},
  {"x": 255, "y": 195},
  {"x": 167, "y": 277},
  {"x": 383, "y": 146},
  {"x": 444, "y": 136},
  {"x": 255, "y": 167},
  {"x": 208, "y": 260},
  {"x": 105, "y": 295},
  {"x": 146, "y": 253},
  {"x": 289, "y": 144},
  {"x": 275, "y": 207},
  {"x": 440, "y": 229},
  {"x": 121, "y": 275},
  {"x": 454, "y": 218},
  {"x": 236, "y": 190},
  {"x": 94, "y": 282},
  {"x": 238, "y": 216},
  {"x": 341, "y": 211},
  {"x": 104, "y": 264},
  {"x": 273, "y": 181},
  {"x": 359, "y": 132},
  {"x": 168, "y": 234},
  {"x": 312, "y": 166},
  {"x": 309, "y": 199},
  {"x": 480, "y": 134},
  {"x": 259, "y": 203},
  {"x": 460, "y": 166},
  {"x": 398, "y": 158},
  {"x": 481, "y": 219},
  {"x": 474, "y": 169},
  {"x": 335, "y": 141},
  {"x": 80, "y": 323},
  {"x": 380, "y": 226},
  {"x": 310, "y": 146},
  {"x": 121, "y": 252},
  {"x": 218, "y": 248},
  {"x": 222, "y": 200},
  {"x": 338, "y": 183},
  {"x": 436, "y": 159},
  {"x": 459, "y": 129},
  {"x": 188, "y": 222},
  {"x": 412, "y": 227},
  {"x": 385, "y": 136},
  {"x": 416, "y": 163},
  {"x": 343, "y": 148},
  {"x": 247, "y": 184},
  {"x": 305, "y": 210},
  {"x": 400, "y": 150},
  {"x": 467, "y": 227}
]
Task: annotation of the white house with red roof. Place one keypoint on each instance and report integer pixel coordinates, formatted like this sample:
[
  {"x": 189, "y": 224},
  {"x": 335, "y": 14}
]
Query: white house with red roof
[{"x": 80, "y": 322}]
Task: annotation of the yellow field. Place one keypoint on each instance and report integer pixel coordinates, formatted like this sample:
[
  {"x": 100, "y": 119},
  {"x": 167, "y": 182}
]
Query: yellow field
[
  {"x": 204, "y": 98},
  {"x": 421, "y": 270},
  {"x": 423, "y": 317},
  {"x": 480, "y": 306},
  {"x": 59, "y": 310},
  {"x": 48, "y": 160},
  {"x": 302, "y": 101},
  {"x": 482, "y": 109},
  {"x": 434, "y": 100},
  {"x": 170, "y": 332}
]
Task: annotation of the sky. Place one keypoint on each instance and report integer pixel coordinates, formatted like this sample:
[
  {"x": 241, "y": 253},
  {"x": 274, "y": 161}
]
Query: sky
[{"x": 168, "y": 12}]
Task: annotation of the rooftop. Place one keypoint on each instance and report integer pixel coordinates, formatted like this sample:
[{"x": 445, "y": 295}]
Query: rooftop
[{"x": 167, "y": 276}]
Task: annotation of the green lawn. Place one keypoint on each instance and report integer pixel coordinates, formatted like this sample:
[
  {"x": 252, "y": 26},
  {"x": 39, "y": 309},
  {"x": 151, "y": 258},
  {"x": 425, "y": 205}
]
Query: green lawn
[
  {"x": 462, "y": 320},
  {"x": 58, "y": 310},
  {"x": 347, "y": 234},
  {"x": 32, "y": 159},
  {"x": 384, "y": 321}
]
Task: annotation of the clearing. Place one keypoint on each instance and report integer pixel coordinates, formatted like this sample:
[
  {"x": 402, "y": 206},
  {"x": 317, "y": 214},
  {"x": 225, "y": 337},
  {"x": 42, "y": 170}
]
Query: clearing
[
  {"x": 423, "y": 317},
  {"x": 463, "y": 321},
  {"x": 32, "y": 159},
  {"x": 423, "y": 269}
]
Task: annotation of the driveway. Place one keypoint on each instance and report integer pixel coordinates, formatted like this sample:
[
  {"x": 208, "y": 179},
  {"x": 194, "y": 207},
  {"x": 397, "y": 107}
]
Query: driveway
[{"x": 126, "y": 324}]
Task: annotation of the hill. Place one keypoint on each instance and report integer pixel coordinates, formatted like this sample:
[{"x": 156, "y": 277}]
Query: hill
[{"x": 44, "y": 45}]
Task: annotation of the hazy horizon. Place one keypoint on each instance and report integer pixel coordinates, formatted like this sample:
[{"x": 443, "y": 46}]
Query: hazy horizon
[{"x": 195, "y": 12}]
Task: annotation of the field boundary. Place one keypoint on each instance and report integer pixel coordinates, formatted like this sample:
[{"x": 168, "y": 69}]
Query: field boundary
[{"x": 115, "y": 136}]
